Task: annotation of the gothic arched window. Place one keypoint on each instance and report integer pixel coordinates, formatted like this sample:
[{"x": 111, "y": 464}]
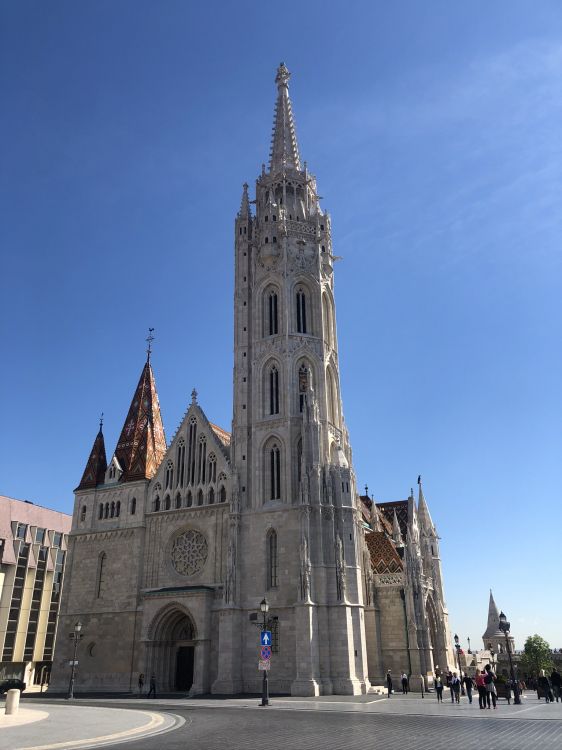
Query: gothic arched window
[
  {"x": 301, "y": 311},
  {"x": 272, "y": 327},
  {"x": 273, "y": 390},
  {"x": 157, "y": 503},
  {"x": 191, "y": 448},
  {"x": 189, "y": 500},
  {"x": 202, "y": 460},
  {"x": 169, "y": 475},
  {"x": 274, "y": 472},
  {"x": 100, "y": 513},
  {"x": 133, "y": 506},
  {"x": 211, "y": 496},
  {"x": 200, "y": 497},
  {"x": 222, "y": 494},
  {"x": 304, "y": 383},
  {"x": 112, "y": 512},
  {"x": 83, "y": 514},
  {"x": 212, "y": 475},
  {"x": 181, "y": 463},
  {"x": 332, "y": 396},
  {"x": 272, "y": 562},
  {"x": 328, "y": 320},
  {"x": 167, "y": 502},
  {"x": 299, "y": 459},
  {"x": 118, "y": 509},
  {"x": 178, "y": 500}
]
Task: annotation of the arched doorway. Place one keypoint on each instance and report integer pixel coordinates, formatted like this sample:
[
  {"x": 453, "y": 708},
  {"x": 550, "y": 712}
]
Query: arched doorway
[{"x": 172, "y": 650}]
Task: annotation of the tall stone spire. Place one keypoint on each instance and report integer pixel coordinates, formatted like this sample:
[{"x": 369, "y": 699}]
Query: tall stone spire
[
  {"x": 284, "y": 147},
  {"x": 142, "y": 443},
  {"x": 426, "y": 524},
  {"x": 396, "y": 532},
  {"x": 97, "y": 463}
]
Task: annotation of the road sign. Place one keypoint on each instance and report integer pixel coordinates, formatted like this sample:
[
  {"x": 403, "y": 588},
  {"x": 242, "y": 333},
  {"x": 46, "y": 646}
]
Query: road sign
[
  {"x": 263, "y": 665},
  {"x": 265, "y": 653},
  {"x": 265, "y": 637}
]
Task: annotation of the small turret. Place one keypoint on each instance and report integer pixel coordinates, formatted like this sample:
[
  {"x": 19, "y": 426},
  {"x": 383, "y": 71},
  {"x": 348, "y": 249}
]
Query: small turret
[
  {"x": 396, "y": 533},
  {"x": 97, "y": 463},
  {"x": 245, "y": 212},
  {"x": 426, "y": 524}
]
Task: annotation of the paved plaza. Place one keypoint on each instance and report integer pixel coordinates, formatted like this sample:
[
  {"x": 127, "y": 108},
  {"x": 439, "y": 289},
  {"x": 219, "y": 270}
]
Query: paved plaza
[{"x": 327, "y": 723}]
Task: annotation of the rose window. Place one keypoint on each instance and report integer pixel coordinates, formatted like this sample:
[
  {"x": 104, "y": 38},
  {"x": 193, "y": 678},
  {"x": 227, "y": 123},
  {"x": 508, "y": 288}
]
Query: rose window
[{"x": 189, "y": 552}]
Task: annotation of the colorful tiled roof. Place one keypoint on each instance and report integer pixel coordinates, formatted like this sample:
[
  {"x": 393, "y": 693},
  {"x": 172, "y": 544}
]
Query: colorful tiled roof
[
  {"x": 222, "y": 435},
  {"x": 96, "y": 466},
  {"x": 366, "y": 505},
  {"x": 401, "y": 508},
  {"x": 142, "y": 443},
  {"x": 384, "y": 557}
]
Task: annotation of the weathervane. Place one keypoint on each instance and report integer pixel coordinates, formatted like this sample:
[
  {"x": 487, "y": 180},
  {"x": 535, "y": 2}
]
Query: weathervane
[{"x": 149, "y": 340}]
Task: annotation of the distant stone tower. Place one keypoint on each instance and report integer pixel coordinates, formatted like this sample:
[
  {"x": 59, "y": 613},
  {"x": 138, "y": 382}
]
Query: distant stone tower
[{"x": 494, "y": 637}]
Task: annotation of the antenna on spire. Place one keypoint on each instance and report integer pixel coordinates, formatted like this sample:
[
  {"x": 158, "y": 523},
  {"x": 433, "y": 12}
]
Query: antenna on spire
[
  {"x": 149, "y": 339},
  {"x": 101, "y": 420}
]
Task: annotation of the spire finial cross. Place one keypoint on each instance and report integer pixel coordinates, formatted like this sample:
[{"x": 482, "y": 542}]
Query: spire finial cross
[
  {"x": 101, "y": 420},
  {"x": 149, "y": 339},
  {"x": 194, "y": 396}
]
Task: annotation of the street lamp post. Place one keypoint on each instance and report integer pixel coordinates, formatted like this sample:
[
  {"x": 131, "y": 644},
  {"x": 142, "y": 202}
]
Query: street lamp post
[
  {"x": 458, "y": 648},
  {"x": 264, "y": 608},
  {"x": 76, "y": 636},
  {"x": 504, "y": 627}
]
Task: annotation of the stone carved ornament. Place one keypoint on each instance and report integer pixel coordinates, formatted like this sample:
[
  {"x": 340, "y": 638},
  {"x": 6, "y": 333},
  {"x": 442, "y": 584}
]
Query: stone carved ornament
[
  {"x": 340, "y": 569},
  {"x": 189, "y": 552},
  {"x": 305, "y": 569}
]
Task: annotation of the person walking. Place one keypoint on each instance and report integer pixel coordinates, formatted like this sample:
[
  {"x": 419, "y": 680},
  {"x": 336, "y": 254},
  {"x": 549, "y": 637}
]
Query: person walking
[
  {"x": 556, "y": 682},
  {"x": 489, "y": 680},
  {"x": 468, "y": 685},
  {"x": 152, "y": 691},
  {"x": 404, "y": 683},
  {"x": 481, "y": 687},
  {"x": 455, "y": 689},
  {"x": 389, "y": 682},
  {"x": 141, "y": 683},
  {"x": 544, "y": 684},
  {"x": 439, "y": 688}
]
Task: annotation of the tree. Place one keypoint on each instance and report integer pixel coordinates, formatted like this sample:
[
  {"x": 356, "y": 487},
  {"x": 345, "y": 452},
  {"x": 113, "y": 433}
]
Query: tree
[{"x": 536, "y": 656}]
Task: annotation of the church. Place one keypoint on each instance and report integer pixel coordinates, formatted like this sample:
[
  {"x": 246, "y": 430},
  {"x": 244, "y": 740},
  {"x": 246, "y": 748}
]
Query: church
[{"x": 174, "y": 546}]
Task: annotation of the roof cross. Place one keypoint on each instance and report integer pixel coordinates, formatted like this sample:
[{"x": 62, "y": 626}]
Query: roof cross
[{"x": 149, "y": 339}]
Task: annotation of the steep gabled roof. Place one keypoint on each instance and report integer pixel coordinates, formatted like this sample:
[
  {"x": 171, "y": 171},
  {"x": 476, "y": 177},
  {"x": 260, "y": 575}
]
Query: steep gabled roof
[
  {"x": 96, "y": 465},
  {"x": 142, "y": 443},
  {"x": 401, "y": 508}
]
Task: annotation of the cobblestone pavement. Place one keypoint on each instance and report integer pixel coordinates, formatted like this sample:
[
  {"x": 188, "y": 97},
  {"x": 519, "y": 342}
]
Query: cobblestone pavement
[{"x": 234, "y": 728}]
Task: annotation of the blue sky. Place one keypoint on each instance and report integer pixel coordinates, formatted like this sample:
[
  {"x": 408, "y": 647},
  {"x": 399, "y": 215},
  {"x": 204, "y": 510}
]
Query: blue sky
[{"x": 127, "y": 130}]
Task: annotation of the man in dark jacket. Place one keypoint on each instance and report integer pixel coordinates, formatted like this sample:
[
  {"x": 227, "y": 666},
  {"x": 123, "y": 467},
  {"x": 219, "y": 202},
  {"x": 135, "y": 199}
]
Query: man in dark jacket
[
  {"x": 468, "y": 685},
  {"x": 556, "y": 682},
  {"x": 389, "y": 682}
]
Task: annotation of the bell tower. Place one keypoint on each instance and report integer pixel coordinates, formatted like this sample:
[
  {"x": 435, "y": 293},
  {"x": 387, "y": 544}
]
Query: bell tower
[{"x": 298, "y": 537}]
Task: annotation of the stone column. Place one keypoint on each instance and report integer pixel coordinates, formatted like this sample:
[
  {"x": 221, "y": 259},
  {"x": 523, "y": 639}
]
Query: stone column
[
  {"x": 229, "y": 674},
  {"x": 307, "y": 681}
]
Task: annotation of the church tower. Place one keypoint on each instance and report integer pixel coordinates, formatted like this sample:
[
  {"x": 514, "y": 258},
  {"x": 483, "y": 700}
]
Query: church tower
[{"x": 298, "y": 532}]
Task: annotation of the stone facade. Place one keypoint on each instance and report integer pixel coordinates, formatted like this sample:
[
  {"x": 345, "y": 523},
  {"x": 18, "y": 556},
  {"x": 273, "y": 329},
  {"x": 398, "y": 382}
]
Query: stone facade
[{"x": 169, "y": 564}]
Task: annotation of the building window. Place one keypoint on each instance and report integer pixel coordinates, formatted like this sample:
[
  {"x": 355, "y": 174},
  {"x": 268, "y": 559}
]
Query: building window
[
  {"x": 133, "y": 506},
  {"x": 273, "y": 391},
  {"x": 112, "y": 512},
  {"x": 178, "y": 500},
  {"x": 301, "y": 311},
  {"x": 118, "y": 509},
  {"x": 275, "y": 473},
  {"x": 222, "y": 494},
  {"x": 100, "y": 512},
  {"x": 189, "y": 499},
  {"x": 200, "y": 497},
  {"x": 202, "y": 460},
  {"x": 101, "y": 577},
  {"x": 191, "y": 451},
  {"x": 181, "y": 463},
  {"x": 211, "y": 496},
  {"x": 82, "y": 517},
  {"x": 272, "y": 317},
  {"x": 106, "y": 514},
  {"x": 40, "y": 533},
  {"x": 169, "y": 475},
  {"x": 21, "y": 531},
  {"x": 112, "y": 471},
  {"x": 271, "y": 543},
  {"x": 157, "y": 503},
  {"x": 167, "y": 502}
]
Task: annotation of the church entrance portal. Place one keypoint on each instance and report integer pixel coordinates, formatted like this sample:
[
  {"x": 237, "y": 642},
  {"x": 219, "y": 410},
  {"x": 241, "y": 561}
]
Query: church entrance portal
[{"x": 171, "y": 652}]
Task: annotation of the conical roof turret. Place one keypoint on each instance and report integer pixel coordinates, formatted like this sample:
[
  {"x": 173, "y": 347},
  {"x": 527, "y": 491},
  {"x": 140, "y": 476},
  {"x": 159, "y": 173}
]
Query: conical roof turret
[
  {"x": 396, "y": 533},
  {"x": 142, "y": 443},
  {"x": 493, "y": 626},
  {"x": 97, "y": 463},
  {"x": 284, "y": 146}
]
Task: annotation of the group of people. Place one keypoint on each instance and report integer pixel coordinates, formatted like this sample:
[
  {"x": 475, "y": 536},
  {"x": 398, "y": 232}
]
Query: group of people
[
  {"x": 551, "y": 687},
  {"x": 152, "y": 689},
  {"x": 404, "y": 681}
]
